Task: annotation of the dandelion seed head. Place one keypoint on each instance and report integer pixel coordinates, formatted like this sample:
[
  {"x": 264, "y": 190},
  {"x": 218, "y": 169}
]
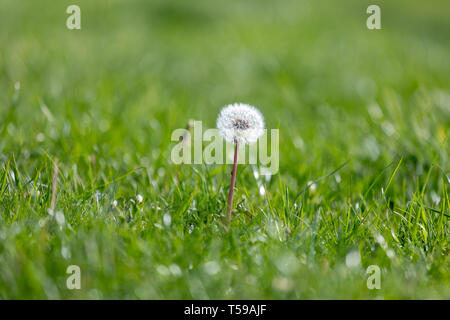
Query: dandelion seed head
[{"x": 240, "y": 123}]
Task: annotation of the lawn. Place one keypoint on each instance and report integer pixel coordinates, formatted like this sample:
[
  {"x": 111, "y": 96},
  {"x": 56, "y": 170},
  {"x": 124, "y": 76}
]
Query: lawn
[{"x": 86, "y": 118}]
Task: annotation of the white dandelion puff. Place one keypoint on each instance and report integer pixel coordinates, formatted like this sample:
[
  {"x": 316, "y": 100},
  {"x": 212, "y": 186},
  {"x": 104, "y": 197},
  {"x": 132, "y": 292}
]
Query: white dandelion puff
[
  {"x": 139, "y": 198},
  {"x": 240, "y": 123}
]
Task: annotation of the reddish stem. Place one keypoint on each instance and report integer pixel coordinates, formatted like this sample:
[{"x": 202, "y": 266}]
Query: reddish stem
[{"x": 233, "y": 182}]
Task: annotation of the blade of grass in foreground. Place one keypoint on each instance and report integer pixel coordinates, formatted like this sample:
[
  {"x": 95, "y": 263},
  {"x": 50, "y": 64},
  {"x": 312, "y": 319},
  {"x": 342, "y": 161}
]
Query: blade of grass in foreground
[{"x": 319, "y": 179}]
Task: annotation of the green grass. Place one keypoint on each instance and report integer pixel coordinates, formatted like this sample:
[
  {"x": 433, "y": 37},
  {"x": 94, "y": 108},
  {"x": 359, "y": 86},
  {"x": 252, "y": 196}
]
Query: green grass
[{"x": 104, "y": 101}]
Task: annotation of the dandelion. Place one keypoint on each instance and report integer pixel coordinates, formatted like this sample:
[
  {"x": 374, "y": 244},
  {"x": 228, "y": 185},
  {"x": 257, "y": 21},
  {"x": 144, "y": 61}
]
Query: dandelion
[
  {"x": 240, "y": 124},
  {"x": 139, "y": 198}
]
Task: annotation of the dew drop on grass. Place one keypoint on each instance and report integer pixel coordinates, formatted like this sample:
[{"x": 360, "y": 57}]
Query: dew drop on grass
[
  {"x": 298, "y": 143},
  {"x": 162, "y": 270},
  {"x": 212, "y": 267},
  {"x": 375, "y": 111},
  {"x": 161, "y": 172},
  {"x": 65, "y": 252},
  {"x": 251, "y": 280},
  {"x": 380, "y": 239},
  {"x": 262, "y": 190},
  {"x": 435, "y": 198},
  {"x": 175, "y": 270},
  {"x": 60, "y": 219},
  {"x": 353, "y": 259},
  {"x": 256, "y": 173},
  {"x": 95, "y": 294},
  {"x": 388, "y": 128},
  {"x": 154, "y": 124},
  {"x": 338, "y": 178},
  {"x": 281, "y": 284},
  {"x": 197, "y": 289},
  {"x": 41, "y": 222},
  {"x": 104, "y": 125},
  {"x": 286, "y": 263},
  {"x": 312, "y": 186},
  {"x": 157, "y": 225},
  {"x": 40, "y": 137},
  {"x": 390, "y": 253},
  {"x": 98, "y": 196},
  {"x": 167, "y": 219}
]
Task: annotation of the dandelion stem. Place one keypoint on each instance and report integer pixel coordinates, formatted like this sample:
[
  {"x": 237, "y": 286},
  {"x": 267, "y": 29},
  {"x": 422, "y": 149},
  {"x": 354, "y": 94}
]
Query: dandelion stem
[
  {"x": 54, "y": 185},
  {"x": 232, "y": 184}
]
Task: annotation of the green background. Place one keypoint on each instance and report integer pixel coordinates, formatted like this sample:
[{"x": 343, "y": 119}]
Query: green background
[{"x": 105, "y": 99}]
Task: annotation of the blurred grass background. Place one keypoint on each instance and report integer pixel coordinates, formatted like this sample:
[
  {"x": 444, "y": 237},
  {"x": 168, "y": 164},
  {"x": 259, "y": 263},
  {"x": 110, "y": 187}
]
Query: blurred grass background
[{"x": 105, "y": 99}]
